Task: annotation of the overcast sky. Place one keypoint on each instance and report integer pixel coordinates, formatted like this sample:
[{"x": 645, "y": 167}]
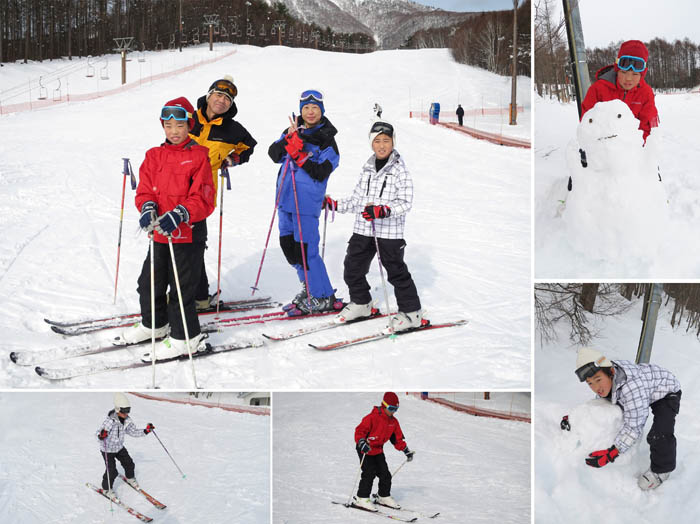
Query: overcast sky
[
  {"x": 468, "y": 5},
  {"x": 606, "y": 21}
]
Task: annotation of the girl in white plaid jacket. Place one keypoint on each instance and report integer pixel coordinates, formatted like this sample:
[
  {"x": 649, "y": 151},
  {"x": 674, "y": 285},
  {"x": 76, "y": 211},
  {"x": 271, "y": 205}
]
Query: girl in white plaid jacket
[{"x": 382, "y": 197}]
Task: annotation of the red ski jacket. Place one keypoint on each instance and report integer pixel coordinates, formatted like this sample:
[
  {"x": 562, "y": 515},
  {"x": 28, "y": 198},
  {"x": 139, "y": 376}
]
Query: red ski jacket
[
  {"x": 640, "y": 99},
  {"x": 377, "y": 428},
  {"x": 173, "y": 175}
]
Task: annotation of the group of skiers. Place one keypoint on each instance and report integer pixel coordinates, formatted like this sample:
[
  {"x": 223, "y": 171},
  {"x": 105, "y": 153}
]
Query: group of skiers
[{"x": 177, "y": 192}]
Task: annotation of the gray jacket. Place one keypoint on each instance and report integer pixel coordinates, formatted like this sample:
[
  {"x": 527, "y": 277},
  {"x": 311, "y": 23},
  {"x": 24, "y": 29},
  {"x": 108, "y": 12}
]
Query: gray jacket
[
  {"x": 117, "y": 432},
  {"x": 635, "y": 387}
]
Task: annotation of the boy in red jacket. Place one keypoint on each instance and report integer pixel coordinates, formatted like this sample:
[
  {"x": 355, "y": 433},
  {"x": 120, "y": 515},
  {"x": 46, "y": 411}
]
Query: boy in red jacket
[
  {"x": 374, "y": 430},
  {"x": 624, "y": 80},
  {"x": 175, "y": 195}
]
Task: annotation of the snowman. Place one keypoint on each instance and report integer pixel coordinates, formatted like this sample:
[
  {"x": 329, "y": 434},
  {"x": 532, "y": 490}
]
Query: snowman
[{"x": 617, "y": 206}]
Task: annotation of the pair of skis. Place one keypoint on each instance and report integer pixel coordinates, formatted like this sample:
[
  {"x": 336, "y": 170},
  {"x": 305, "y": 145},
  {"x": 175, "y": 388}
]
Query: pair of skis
[
  {"x": 129, "y": 509},
  {"x": 401, "y": 515}
]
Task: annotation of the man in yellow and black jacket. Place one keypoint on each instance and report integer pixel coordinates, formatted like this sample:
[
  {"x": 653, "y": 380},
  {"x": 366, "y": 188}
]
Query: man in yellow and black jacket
[{"x": 229, "y": 144}]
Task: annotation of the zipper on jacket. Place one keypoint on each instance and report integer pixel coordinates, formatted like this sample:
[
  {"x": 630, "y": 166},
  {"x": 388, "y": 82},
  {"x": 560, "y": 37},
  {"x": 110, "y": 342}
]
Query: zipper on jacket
[{"x": 383, "y": 186}]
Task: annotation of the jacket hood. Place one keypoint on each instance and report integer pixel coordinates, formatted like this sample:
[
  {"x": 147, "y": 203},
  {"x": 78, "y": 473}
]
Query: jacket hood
[{"x": 202, "y": 104}]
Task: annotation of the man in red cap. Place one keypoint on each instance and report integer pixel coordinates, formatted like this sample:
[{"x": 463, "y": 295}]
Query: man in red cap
[
  {"x": 624, "y": 80},
  {"x": 375, "y": 429}
]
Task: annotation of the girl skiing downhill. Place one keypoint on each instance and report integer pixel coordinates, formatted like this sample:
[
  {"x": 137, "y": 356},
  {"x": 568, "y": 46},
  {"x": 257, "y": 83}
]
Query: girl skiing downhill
[
  {"x": 308, "y": 154},
  {"x": 111, "y": 436},
  {"x": 371, "y": 434},
  {"x": 382, "y": 197}
]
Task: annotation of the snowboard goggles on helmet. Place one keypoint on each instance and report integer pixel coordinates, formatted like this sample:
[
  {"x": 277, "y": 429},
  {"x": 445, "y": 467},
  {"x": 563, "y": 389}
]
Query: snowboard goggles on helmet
[
  {"x": 382, "y": 128},
  {"x": 389, "y": 407},
  {"x": 176, "y": 112},
  {"x": 627, "y": 62},
  {"x": 225, "y": 87},
  {"x": 125, "y": 410},
  {"x": 587, "y": 371},
  {"x": 311, "y": 96}
]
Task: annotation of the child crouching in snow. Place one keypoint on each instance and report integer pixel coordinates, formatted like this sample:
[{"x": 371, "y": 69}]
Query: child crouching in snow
[
  {"x": 635, "y": 388},
  {"x": 383, "y": 195}
]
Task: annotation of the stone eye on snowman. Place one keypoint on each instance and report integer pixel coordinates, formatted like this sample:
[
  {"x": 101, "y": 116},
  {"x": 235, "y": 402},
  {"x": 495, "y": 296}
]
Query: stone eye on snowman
[{"x": 617, "y": 205}]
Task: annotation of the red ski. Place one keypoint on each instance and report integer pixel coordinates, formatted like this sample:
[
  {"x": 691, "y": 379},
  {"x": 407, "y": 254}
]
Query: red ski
[
  {"x": 118, "y": 502},
  {"x": 150, "y": 499}
]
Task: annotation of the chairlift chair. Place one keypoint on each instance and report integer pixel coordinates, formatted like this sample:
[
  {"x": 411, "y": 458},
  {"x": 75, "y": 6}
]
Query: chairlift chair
[
  {"x": 43, "y": 92},
  {"x": 171, "y": 44},
  {"x": 159, "y": 44},
  {"x": 90, "y": 68},
  {"x": 262, "y": 30},
  {"x": 104, "y": 71},
  {"x": 57, "y": 92}
]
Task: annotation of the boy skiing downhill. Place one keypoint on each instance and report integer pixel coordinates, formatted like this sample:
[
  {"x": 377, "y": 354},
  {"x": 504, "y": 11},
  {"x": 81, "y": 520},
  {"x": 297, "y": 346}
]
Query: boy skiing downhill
[
  {"x": 624, "y": 80},
  {"x": 381, "y": 199},
  {"x": 635, "y": 388},
  {"x": 309, "y": 154},
  {"x": 175, "y": 180},
  {"x": 111, "y": 436},
  {"x": 371, "y": 434}
]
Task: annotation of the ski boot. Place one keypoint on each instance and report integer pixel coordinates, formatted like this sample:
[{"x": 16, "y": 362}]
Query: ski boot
[
  {"x": 363, "y": 503},
  {"x": 206, "y": 304},
  {"x": 313, "y": 305},
  {"x": 387, "y": 501},
  {"x": 405, "y": 321},
  {"x": 138, "y": 333},
  {"x": 650, "y": 480},
  {"x": 353, "y": 311},
  {"x": 298, "y": 298},
  {"x": 173, "y": 348},
  {"x": 132, "y": 482}
]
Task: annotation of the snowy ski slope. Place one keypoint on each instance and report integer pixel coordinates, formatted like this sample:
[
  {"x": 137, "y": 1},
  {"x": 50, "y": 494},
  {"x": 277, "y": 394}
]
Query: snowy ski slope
[
  {"x": 468, "y": 234},
  {"x": 470, "y": 469},
  {"x": 48, "y": 457}
]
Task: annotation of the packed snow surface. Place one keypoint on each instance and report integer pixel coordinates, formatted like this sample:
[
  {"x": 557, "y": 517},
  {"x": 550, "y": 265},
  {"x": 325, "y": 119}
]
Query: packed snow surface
[
  {"x": 48, "y": 456},
  {"x": 470, "y": 469},
  {"x": 468, "y": 233},
  {"x": 566, "y": 489},
  {"x": 619, "y": 220}
]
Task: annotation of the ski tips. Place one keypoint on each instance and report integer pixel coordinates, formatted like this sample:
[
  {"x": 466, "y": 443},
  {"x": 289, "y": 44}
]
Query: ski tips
[
  {"x": 13, "y": 357},
  {"x": 40, "y": 371}
]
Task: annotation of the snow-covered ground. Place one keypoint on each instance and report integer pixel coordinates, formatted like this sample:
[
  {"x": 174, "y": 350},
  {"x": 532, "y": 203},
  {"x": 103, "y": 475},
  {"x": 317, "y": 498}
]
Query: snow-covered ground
[
  {"x": 470, "y": 469},
  {"x": 566, "y": 489},
  {"x": 468, "y": 234},
  {"x": 518, "y": 402},
  {"x": 49, "y": 452},
  {"x": 560, "y": 254}
]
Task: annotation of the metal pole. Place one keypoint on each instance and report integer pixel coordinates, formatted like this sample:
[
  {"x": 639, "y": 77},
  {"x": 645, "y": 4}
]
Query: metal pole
[
  {"x": 514, "y": 81},
  {"x": 180, "y": 35},
  {"x": 651, "y": 313},
  {"x": 577, "y": 51},
  {"x": 153, "y": 312}
]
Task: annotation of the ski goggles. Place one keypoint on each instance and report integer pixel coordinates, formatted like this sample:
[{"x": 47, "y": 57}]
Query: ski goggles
[
  {"x": 627, "y": 62},
  {"x": 311, "y": 96},
  {"x": 382, "y": 128},
  {"x": 587, "y": 371},
  {"x": 176, "y": 112},
  {"x": 126, "y": 411},
  {"x": 225, "y": 87},
  {"x": 390, "y": 408}
]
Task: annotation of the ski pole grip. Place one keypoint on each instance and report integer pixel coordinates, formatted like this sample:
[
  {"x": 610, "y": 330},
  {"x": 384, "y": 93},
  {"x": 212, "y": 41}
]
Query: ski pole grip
[
  {"x": 223, "y": 173},
  {"x": 128, "y": 171}
]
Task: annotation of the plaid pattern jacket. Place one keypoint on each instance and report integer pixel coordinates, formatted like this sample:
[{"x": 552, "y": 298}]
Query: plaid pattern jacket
[
  {"x": 392, "y": 186},
  {"x": 117, "y": 432},
  {"x": 635, "y": 387}
]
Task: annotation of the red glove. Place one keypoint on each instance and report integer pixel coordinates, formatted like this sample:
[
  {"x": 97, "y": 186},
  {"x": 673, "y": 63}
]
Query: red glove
[
  {"x": 329, "y": 203},
  {"x": 294, "y": 148},
  {"x": 232, "y": 160},
  {"x": 103, "y": 434},
  {"x": 600, "y": 458},
  {"x": 149, "y": 427},
  {"x": 372, "y": 212}
]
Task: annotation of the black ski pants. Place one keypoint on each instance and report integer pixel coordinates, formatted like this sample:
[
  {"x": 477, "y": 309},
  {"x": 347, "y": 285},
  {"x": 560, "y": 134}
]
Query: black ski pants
[
  {"x": 189, "y": 259},
  {"x": 662, "y": 441},
  {"x": 461, "y": 119},
  {"x": 358, "y": 258},
  {"x": 124, "y": 459},
  {"x": 202, "y": 291},
  {"x": 374, "y": 466}
]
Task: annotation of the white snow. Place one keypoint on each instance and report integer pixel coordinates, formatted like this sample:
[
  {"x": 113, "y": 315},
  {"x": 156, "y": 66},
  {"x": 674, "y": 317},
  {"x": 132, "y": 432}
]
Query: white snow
[
  {"x": 470, "y": 469},
  {"x": 566, "y": 489},
  {"x": 468, "y": 234},
  {"x": 613, "y": 225},
  {"x": 48, "y": 457}
]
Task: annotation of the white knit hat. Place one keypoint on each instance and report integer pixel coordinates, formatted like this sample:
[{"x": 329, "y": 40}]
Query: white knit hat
[
  {"x": 381, "y": 127},
  {"x": 591, "y": 359},
  {"x": 120, "y": 401}
]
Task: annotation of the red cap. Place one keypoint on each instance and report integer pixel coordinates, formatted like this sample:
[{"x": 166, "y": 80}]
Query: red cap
[
  {"x": 185, "y": 104},
  {"x": 634, "y": 48},
  {"x": 391, "y": 398}
]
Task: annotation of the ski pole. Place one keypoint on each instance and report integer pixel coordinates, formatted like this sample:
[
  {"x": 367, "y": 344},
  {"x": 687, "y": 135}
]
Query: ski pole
[
  {"x": 153, "y": 311},
  {"x": 356, "y": 477},
  {"x": 274, "y": 212},
  {"x": 323, "y": 244},
  {"x": 223, "y": 173},
  {"x": 381, "y": 272},
  {"x": 397, "y": 469},
  {"x": 166, "y": 450},
  {"x": 128, "y": 172},
  {"x": 109, "y": 482},
  {"x": 301, "y": 242},
  {"x": 182, "y": 309}
]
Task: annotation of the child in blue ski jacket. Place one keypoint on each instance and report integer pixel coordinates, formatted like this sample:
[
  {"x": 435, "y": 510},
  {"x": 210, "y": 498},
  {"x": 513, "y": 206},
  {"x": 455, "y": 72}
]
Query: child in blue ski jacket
[{"x": 308, "y": 154}]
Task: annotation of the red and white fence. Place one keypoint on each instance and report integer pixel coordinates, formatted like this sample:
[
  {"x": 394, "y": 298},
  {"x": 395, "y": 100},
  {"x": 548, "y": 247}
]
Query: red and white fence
[
  {"x": 504, "y": 407},
  {"x": 238, "y": 408}
]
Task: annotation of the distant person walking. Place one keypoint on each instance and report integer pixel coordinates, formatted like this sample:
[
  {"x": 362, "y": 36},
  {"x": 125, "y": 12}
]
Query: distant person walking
[
  {"x": 378, "y": 110},
  {"x": 460, "y": 115}
]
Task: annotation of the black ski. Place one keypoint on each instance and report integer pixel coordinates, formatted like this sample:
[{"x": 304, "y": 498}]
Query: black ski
[
  {"x": 379, "y": 513},
  {"x": 79, "y": 371}
]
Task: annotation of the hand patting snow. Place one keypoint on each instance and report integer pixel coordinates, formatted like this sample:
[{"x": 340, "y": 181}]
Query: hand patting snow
[{"x": 617, "y": 207}]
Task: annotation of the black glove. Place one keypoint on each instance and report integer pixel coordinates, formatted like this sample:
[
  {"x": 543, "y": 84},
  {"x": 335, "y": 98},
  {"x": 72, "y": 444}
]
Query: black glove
[
  {"x": 103, "y": 434},
  {"x": 363, "y": 446},
  {"x": 170, "y": 221},
  {"x": 372, "y": 212},
  {"x": 565, "y": 423},
  {"x": 409, "y": 454},
  {"x": 149, "y": 427},
  {"x": 149, "y": 213}
]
